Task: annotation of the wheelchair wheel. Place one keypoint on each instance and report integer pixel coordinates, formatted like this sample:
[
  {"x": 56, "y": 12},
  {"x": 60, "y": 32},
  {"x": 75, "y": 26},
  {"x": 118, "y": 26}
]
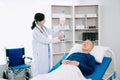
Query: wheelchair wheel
[
  {"x": 10, "y": 75},
  {"x": 28, "y": 74},
  {"x": 5, "y": 75}
]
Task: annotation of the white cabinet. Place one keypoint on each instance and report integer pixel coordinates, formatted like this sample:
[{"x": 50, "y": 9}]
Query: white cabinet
[
  {"x": 58, "y": 49},
  {"x": 86, "y": 23},
  {"x": 81, "y": 22}
]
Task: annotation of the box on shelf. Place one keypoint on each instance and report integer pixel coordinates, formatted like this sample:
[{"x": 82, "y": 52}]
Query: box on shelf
[
  {"x": 57, "y": 15},
  {"x": 68, "y": 16},
  {"x": 91, "y": 15},
  {"x": 79, "y": 15},
  {"x": 66, "y": 27},
  {"x": 80, "y": 27}
]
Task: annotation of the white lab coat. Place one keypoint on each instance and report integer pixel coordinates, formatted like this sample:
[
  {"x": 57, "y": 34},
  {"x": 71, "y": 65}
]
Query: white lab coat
[{"x": 41, "y": 55}]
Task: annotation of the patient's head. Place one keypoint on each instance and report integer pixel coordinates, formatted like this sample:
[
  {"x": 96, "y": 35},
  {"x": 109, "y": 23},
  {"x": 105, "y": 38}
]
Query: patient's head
[{"x": 87, "y": 46}]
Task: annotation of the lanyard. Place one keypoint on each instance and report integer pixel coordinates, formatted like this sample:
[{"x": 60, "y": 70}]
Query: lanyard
[
  {"x": 43, "y": 30},
  {"x": 39, "y": 29}
]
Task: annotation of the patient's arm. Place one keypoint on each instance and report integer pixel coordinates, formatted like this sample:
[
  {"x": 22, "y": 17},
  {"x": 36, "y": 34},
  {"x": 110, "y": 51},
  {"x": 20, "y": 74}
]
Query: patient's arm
[
  {"x": 89, "y": 68},
  {"x": 75, "y": 63},
  {"x": 66, "y": 62}
]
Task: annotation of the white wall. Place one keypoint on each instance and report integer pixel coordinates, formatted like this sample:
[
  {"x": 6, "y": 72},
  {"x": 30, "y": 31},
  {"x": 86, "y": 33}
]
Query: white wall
[
  {"x": 110, "y": 27},
  {"x": 16, "y": 17}
]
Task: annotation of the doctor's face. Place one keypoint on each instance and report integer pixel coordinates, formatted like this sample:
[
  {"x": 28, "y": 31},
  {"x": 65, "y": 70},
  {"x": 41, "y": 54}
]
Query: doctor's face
[{"x": 41, "y": 22}]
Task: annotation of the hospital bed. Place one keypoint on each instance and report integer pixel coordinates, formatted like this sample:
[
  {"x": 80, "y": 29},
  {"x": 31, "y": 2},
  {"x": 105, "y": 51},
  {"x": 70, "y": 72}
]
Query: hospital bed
[{"x": 104, "y": 71}]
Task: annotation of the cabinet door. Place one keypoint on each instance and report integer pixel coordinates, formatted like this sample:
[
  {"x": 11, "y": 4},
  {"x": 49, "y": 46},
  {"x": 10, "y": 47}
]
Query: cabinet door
[
  {"x": 86, "y": 23},
  {"x": 62, "y": 47}
]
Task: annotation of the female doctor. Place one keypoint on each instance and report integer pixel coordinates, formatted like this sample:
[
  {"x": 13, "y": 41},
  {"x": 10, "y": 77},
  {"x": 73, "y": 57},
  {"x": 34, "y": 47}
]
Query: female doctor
[{"x": 40, "y": 44}]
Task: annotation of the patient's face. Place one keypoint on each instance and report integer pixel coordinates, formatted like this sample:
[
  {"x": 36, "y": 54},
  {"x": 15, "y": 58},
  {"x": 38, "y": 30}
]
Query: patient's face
[{"x": 87, "y": 46}]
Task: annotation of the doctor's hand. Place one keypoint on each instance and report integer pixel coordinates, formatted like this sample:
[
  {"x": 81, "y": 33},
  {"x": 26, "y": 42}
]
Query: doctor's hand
[{"x": 61, "y": 36}]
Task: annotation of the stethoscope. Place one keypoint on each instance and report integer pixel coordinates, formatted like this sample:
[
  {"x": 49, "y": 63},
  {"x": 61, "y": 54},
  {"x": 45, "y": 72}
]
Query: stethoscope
[{"x": 43, "y": 30}]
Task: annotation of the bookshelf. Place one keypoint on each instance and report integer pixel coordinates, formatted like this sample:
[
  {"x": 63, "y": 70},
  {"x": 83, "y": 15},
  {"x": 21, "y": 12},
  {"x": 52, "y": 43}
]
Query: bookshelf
[
  {"x": 86, "y": 23},
  {"x": 82, "y": 22}
]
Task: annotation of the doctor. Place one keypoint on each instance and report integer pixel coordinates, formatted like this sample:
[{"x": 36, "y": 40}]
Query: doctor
[{"x": 40, "y": 44}]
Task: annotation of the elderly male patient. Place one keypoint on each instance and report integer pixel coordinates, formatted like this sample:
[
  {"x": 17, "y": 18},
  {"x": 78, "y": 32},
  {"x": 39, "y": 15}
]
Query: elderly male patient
[
  {"x": 84, "y": 60},
  {"x": 74, "y": 67}
]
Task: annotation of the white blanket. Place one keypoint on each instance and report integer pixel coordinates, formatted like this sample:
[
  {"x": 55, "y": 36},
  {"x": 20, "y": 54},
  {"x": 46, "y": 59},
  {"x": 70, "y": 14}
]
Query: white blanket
[{"x": 64, "y": 72}]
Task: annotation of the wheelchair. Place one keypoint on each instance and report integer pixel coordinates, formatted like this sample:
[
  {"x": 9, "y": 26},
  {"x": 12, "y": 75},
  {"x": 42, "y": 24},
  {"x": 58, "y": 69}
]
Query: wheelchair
[{"x": 16, "y": 65}]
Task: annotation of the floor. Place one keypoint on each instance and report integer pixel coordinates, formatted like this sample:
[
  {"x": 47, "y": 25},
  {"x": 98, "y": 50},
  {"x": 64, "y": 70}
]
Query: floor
[
  {"x": 15, "y": 79},
  {"x": 3, "y": 79},
  {"x": 20, "y": 79}
]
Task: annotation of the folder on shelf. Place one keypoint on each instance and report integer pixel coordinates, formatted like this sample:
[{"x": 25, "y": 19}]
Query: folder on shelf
[{"x": 90, "y": 35}]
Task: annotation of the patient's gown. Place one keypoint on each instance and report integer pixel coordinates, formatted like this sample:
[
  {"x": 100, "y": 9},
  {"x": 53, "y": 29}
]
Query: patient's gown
[{"x": 64, "y": 72}]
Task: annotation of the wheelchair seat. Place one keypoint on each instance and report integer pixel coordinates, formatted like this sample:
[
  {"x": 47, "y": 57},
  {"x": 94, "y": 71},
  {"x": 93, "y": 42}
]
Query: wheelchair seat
[{"x": 16, "y": 64}]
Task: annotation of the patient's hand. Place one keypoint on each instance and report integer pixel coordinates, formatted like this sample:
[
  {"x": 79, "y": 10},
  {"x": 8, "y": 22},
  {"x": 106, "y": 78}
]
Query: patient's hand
[
  {"x": 75, "y": 63},
  {"x": 66, "y": 62}
]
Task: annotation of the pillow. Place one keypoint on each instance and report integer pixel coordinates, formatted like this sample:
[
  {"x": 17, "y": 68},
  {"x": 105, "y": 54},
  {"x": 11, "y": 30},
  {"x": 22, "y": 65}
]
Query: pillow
[
  {"x": 98, "y": 51},
  {"x": 76, "y": 48}
]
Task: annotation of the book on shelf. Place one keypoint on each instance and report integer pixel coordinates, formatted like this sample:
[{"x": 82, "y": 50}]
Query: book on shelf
[{"x": 90, "y": 35}]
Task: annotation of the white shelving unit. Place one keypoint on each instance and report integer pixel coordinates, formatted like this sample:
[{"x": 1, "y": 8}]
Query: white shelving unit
[
  {"x": 82, "y": 22},
  {"x": 86, "y": 23},
  {"x": 58, "y": 49}
]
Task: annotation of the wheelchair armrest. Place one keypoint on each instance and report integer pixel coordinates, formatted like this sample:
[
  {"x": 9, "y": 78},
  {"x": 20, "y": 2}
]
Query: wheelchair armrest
[
  {"x": 28, "y": 60},
  {"x": 7, "y": 59}
]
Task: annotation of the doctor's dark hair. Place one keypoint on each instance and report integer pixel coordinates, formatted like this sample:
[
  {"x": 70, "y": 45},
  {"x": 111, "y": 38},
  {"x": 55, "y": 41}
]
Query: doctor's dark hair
[{"x": 37, "y": 17}]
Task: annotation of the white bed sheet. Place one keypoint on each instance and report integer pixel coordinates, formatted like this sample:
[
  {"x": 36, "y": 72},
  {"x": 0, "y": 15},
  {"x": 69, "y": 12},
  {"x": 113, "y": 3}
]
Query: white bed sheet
[{"x": 64, "y": 72}]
